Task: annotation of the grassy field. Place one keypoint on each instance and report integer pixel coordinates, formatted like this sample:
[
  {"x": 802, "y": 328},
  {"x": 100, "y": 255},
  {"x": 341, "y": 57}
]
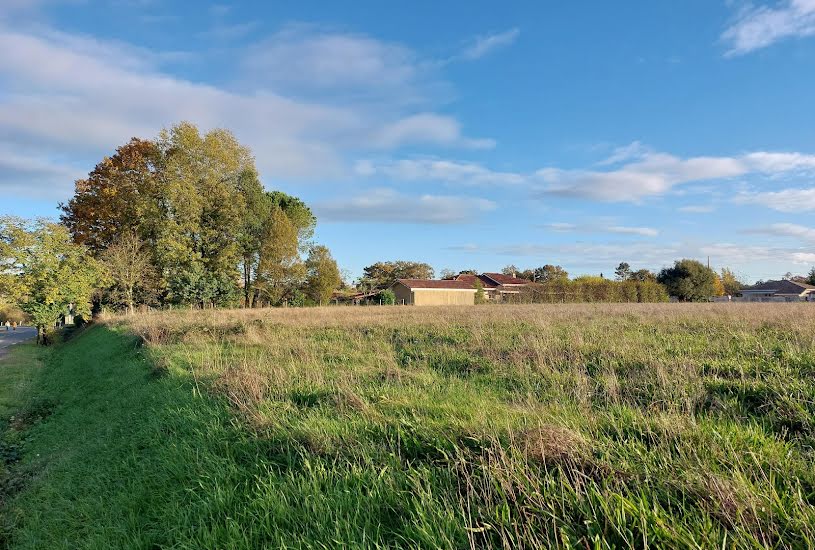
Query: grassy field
[{"x": 593, "y": 426}]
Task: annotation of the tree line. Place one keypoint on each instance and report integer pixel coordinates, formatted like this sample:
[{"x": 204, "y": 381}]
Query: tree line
[{"x": 181, "y": 219}]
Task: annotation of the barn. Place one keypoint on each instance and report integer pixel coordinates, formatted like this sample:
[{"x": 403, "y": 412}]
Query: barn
[{"x": 429, "y": 292}]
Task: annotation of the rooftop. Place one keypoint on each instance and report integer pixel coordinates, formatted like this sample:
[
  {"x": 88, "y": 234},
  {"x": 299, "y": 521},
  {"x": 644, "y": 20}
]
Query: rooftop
[
  {"x": 502, "y": 279},
  {"x": 434, "y": 283},
  {"x": 780, "y": 287}
]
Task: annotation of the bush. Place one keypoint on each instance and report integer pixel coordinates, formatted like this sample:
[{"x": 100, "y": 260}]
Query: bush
[
  {"x": 298, "y": 299},
  {"x": 79, "y": 321},
  {"x": 387, "y": 297}
]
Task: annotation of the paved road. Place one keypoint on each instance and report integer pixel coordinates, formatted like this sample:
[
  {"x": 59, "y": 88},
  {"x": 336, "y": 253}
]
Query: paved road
[{"x": 8, "y": 339}]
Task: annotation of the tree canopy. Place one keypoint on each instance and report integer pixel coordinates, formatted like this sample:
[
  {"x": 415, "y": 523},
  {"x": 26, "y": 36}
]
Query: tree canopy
[
  {"x": 689, "y": 281},
  {"x": 208, "y": 228},
  {"x": 44, "y": 272},
  {"x": 383, "y": 274}
]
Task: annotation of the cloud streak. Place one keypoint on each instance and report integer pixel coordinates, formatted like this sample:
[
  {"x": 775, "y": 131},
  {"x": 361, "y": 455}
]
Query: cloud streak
[
  {"x": 486, "y": 44},
  {"x": 759, "y": 27},
  {"x": 654, "y": 174},
  {"x": 389, "y": 206},
  {"x": 786, "y": 200}
]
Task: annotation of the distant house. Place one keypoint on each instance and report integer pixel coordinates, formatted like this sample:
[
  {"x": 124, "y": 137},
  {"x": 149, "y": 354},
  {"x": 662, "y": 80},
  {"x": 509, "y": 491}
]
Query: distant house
[
  {"x": 497, "y": 286},
  {"x": 779, "y": 291},
  {"x": 431, "y": 292}
]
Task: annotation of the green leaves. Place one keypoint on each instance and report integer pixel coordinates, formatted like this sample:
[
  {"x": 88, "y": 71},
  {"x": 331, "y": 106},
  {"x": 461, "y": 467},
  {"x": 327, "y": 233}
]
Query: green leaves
[{"x": 44, "y": 272}]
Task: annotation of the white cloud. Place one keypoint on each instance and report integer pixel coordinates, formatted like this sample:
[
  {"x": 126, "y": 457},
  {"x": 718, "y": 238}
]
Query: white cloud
[
  {"x": 645, "y": 174},
  {"x": 389, "y": 206},
  {"x": 562, "y": 227},
  {"x": 654, "y": 173},
  {"x": 32, "y": 176},
  {"x": 697, "y": 208},
  {"x": 488, "y": 43},
  {"x": 426, "y": 128},
  {"x": 758, "y": 27},
  {"x": 779, "y": 162},
  {"x": 70, "y": 93},
  {"x": 311, "y": 58},
  {"x": 633, "y": 150},
  {"x": 641, "y": 231},
  {"x": 805, "y": 258},
  {"x": 438, "y": 170},
  {"x": 787, "y": 230},
  {"x": 786, "y": 200}
]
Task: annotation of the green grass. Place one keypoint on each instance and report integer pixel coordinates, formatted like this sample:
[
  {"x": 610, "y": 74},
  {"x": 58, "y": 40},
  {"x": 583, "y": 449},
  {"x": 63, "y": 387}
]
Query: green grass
[
  {"x": 532, "y": 426},
  {"x": 17, "y": 371}
]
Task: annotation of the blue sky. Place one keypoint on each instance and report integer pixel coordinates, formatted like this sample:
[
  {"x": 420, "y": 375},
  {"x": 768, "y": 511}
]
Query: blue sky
[{"x": 463, "y": 134}]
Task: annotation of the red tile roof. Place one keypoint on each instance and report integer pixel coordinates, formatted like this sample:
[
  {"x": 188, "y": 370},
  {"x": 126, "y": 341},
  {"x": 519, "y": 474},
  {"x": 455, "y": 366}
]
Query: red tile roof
[
  {"x": 433, "y": 283},
  {"x": 470, "y": 278},
  {"x": 502, "y": 279}
]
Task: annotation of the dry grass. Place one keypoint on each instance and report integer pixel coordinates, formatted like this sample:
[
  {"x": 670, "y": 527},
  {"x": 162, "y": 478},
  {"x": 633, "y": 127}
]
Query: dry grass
[{"x": 525, "y": 426}]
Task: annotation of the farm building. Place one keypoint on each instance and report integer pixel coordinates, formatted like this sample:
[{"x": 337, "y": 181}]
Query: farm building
[
  {"x": 428, "y": 292},
  {"x": 497, "y": 286},
  {"x": 779, "y": 291}
]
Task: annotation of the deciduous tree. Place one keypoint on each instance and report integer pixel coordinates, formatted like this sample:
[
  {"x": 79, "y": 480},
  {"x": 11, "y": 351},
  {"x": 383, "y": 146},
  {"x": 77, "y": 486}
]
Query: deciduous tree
[
  {"x": 689, "y": 281},
  {"x": 115, "y": 197},
  {"x": 45, "y": 272},
  {"x": 130, "y": 270},
  {"x": 549, "y": 273},
  {"x": 383, "y": 274},
  {"x": 732, "y": 285},
  {"x": 322, "y": 274}
]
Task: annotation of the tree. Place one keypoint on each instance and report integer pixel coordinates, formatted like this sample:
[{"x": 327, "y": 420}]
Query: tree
[
  {"x": 549, "y": 273},
  {"x": 510, "y": 270},
  {"x": 196, "y": 202},
  {"x": 718, "y": 286},
  {"x": 130, "y": 269},
  {"x": 643, "y": 275},
  {"x": 623, "y": 271},
  {"x": 387, "y": 297},
  {"x": 280, "y": 270},
  {"x": 383, "y": 274},
  {"x": 528, "y": 274},
  {"x": 689, "y": 281},
  {"x": 45, "y": 273},
  {"x": 115, "y": 197},
  {"x": 447, "y": 273},
  {"x": 732, "y": 285},
  {"x": 811, "y": 276},
  {"x": 322, "y": 274},
  {"x": 480, "y": 296}
]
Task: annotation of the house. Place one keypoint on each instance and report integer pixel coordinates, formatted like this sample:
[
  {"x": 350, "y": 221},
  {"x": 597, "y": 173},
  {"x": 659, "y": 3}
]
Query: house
[
  {"x": 430, "y": 292},
  {"x": 497, "y": 286},
  {"x": 779, "y": 291}
]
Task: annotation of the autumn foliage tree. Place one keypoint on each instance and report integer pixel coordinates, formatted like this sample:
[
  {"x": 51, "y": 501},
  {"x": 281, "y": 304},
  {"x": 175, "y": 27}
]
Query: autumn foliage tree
[{"x": 209, "y": 229}]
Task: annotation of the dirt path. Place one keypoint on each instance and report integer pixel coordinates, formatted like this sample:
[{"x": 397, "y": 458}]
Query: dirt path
[{"x": 12, "y": 337}]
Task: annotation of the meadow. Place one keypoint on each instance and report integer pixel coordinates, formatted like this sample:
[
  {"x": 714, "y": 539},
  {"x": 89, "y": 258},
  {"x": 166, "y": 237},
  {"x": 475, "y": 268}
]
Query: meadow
[{"x": 576, "y": 426}]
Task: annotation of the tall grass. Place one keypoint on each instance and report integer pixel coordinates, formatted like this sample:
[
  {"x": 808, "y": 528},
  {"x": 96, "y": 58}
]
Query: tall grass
[{"x": 630, "y": 425}]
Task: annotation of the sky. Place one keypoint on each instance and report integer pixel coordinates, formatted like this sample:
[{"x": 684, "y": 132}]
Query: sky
[{"x": 469, "y": 135}]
